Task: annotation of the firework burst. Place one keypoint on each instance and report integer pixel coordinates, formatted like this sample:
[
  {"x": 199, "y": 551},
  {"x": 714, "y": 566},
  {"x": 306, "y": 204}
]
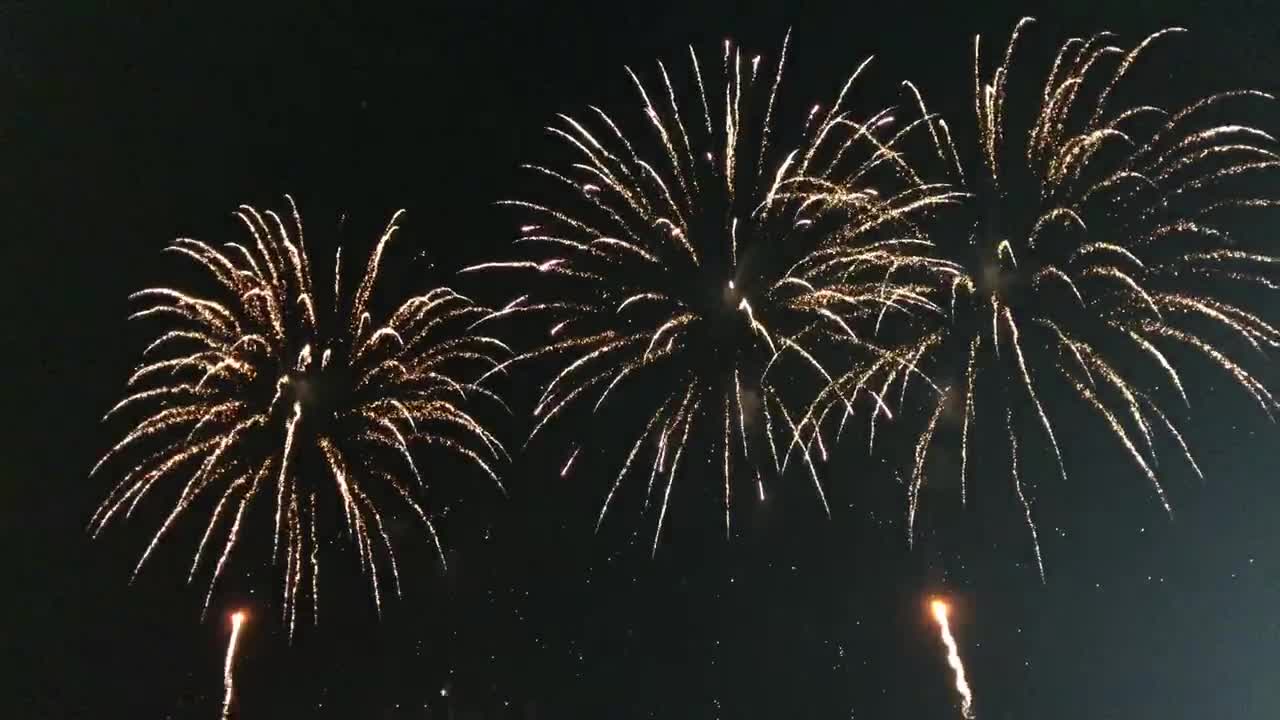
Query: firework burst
[
  {"x": 678, "y": 264},
  {"x": 1097, "y": 232},
  {"x": 264, "y": 390}
]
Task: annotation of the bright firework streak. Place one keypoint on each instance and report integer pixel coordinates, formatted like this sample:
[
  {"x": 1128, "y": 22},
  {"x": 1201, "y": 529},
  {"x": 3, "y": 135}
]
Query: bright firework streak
[
  {"x": 228, "y": 679},
  {"x": 1092, "y": 235},
  {"x": 940, "y": 613},
  {"x": 686, "y": 261},
  {"x": 267, "y": 391}
]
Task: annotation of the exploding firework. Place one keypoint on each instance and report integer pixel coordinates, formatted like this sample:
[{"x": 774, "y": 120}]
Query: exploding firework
[
  {"x": 228, "y": 679},
  {"x": 1097, "y": 232},
  {"x": 941, "y": 611},
  {"x": 676, "y": 266},
  {"x": 265, "y": 388}
]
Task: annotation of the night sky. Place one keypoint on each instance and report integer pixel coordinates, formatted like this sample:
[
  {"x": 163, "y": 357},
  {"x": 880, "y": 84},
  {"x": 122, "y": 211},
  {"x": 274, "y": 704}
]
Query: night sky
[{"x": 123, "y": 129}]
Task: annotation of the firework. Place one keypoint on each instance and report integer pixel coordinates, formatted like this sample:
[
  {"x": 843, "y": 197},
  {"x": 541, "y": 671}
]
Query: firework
[
  {"x": 1094, "y": 232},
  {"x": 263, "y": 389},
  {"x": 673, "y": 266},
  {"x": 940, "y": 611},
  {"x": 228, "y": 680}
]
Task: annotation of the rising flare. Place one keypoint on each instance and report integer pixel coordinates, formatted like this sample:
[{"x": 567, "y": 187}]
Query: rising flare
[
  {"x": 260, "y": 389},
  {"x": 674, "y": 268},
  {"x": 940, "y": 613},
  {"x": 228, "y": 679}
]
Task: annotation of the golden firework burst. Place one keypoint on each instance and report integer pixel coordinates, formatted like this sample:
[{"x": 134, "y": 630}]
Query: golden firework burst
[{"x": 261, "y": 390}]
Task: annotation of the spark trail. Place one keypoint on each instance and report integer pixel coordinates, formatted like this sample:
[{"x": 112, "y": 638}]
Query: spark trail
[
  {"x": 228, "y": 678},
  {"x": 940, "y": 612}
]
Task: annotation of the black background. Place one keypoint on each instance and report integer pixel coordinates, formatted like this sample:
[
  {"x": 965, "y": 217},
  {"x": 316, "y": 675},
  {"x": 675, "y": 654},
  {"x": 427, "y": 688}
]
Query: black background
[{"x": 123, "y": 127}]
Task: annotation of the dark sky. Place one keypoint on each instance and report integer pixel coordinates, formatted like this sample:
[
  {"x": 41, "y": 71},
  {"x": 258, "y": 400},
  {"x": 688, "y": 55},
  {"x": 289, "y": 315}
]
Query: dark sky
[{"x": 121, "y": 129}]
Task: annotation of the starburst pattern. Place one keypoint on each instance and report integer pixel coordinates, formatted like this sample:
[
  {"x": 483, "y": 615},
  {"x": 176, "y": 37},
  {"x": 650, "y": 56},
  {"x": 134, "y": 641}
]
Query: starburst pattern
[
  {"x": 677, "y": 266},
  {"x": 260, "y": 390},
  {"x": 1098, "y": 231}
]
